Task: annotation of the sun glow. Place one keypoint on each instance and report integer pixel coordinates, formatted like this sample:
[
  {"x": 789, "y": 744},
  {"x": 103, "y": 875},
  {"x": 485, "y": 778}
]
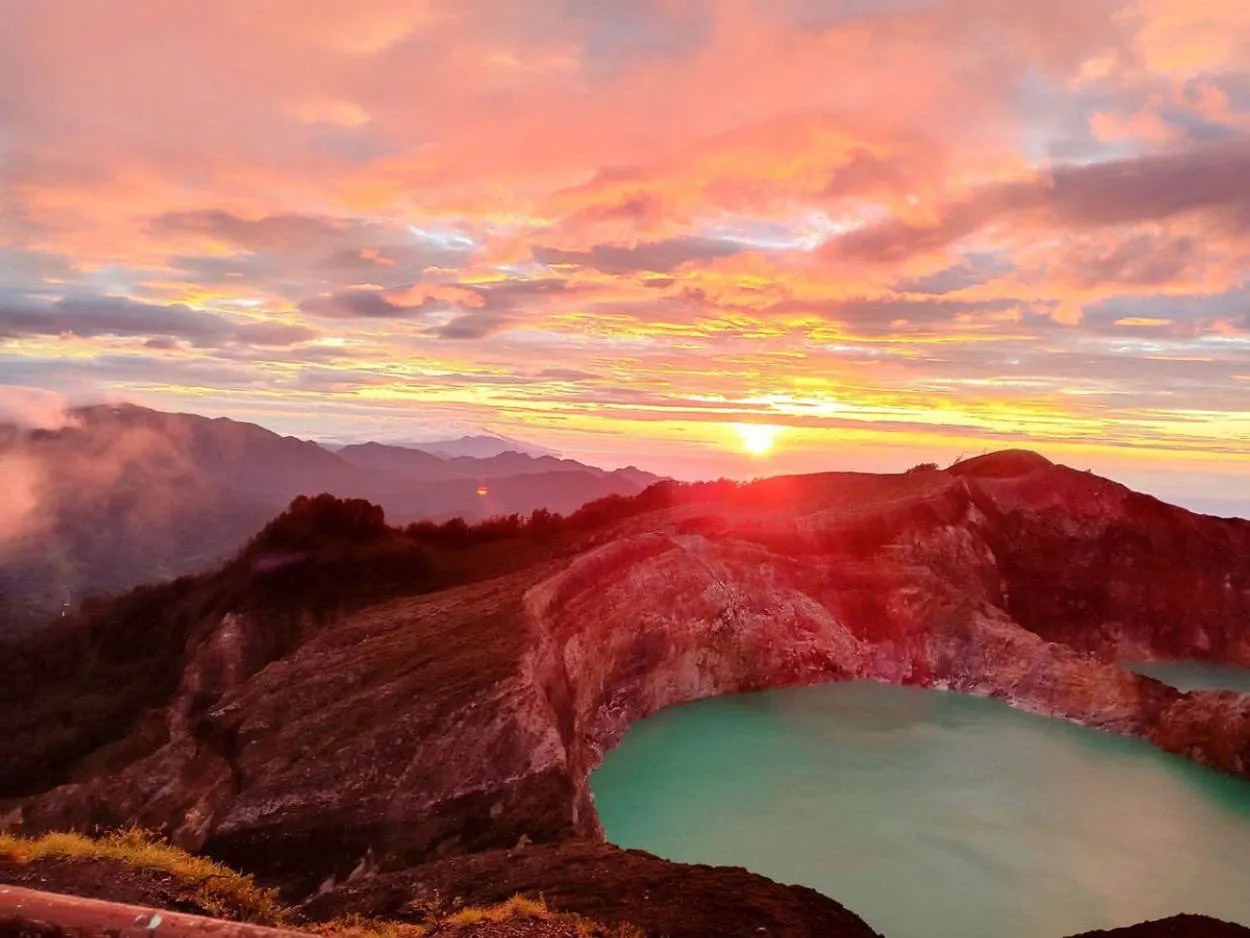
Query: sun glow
[{"x": 757, "y": 438}]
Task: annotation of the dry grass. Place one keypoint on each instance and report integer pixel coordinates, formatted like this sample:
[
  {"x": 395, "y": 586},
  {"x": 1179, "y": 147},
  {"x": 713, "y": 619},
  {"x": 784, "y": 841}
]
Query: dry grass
[
  {"x": 358, "y": 926},
  {"x": 217, "y": 889},
  {"x": 517, "y": 909},
  {"x": 222, "y": 893},
  {"x": 522, "y": 907}
]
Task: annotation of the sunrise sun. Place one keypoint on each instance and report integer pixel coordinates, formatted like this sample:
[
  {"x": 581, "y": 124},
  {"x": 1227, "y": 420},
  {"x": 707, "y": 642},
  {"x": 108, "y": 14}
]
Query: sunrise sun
[{"x": 757, "y": 438}]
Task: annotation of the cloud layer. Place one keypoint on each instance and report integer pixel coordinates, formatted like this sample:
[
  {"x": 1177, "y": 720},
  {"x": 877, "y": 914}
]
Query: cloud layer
[{"x": 623, "y": 228}]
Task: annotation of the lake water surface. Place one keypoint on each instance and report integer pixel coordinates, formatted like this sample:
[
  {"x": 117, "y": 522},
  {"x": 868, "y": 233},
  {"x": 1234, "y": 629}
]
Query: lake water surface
[{"x": 933, "y": 815}]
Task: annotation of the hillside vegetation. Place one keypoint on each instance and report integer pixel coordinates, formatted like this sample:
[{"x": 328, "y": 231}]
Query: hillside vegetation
[{"x": 88, "y": 679}]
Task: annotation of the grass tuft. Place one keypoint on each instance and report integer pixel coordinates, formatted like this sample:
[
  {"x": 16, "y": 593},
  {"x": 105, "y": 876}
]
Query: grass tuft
[
  {"x": 217, "y": 889},
  {"x": 518, "y": 907},
  {"x": 521, "y": 908},
  {"x": 359, "y": 926}
]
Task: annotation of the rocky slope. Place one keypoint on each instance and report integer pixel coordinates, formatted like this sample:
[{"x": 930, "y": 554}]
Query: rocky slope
[
  {"x": 618, "y": 894},
  {"x": 629, "y": 893},
  {"x": 427, "y": 728}
]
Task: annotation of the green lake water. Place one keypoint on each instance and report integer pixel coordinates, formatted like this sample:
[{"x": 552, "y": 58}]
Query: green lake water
[
  {"x": 933, "y": 815},
  {"x": 1194, "y": 675}
]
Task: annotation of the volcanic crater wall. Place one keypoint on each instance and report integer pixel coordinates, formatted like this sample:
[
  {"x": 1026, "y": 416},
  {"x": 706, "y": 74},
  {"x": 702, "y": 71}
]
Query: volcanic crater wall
[
  {"x": 470, "y": 719},
  {"x": 776, "y": 599}
]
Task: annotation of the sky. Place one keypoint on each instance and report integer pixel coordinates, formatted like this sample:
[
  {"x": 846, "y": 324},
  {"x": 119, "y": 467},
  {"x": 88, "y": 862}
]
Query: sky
[{"x": 638, "y": 232}]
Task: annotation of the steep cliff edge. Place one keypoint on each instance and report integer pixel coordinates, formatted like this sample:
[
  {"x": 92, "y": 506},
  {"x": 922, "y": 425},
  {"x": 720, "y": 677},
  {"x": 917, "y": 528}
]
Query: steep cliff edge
[
  {"x": 1102, "y": 568},
  {"x": 896, "y": 581},
  {"x": 427, "y": 728}
]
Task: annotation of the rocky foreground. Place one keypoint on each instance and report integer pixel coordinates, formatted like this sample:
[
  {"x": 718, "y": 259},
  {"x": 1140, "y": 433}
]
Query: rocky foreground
[{"x": 444, "y": 741}]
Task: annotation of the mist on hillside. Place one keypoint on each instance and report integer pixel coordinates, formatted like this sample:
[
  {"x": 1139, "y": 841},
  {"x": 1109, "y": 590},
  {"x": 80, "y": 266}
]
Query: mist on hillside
[{"x": 97, "y": 499}]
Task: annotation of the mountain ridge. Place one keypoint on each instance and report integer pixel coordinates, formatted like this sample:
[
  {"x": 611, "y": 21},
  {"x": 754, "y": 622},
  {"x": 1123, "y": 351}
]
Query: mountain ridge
[
  {"x": 481, "y": 446},
  {"x": 124, "y": 495}
]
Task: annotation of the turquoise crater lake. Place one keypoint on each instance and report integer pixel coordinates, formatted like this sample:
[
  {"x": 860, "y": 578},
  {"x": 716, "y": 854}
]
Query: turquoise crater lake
[{"x": 933, "y": 815}]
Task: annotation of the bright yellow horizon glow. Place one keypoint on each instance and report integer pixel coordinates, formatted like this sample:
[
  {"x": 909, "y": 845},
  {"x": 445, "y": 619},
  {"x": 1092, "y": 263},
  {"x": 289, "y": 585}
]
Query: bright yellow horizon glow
[{"x": 757, "y": 438}]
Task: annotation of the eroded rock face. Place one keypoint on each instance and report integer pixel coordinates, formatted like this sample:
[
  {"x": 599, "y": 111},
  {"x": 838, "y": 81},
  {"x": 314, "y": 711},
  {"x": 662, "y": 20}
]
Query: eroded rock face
[
  {"x": 180, "y": 780},
  {"x": 1099, "y": 567},
  {"x": 445, "y": 725}
]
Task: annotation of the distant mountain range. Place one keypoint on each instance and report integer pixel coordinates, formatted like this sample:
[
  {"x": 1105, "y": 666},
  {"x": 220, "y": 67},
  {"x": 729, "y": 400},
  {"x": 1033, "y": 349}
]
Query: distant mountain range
[
  {"x": 477, "y": 446},
  {"x": 127, "y": 495},
  {"x": 481, "y": 446},
  {"x": 419, "y": 465}
]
